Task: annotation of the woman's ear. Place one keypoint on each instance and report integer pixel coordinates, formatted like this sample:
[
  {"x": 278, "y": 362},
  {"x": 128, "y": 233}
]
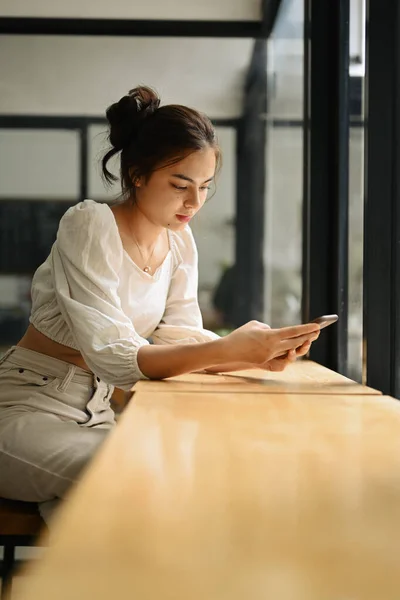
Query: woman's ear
[{"x": 136, "y": 180}]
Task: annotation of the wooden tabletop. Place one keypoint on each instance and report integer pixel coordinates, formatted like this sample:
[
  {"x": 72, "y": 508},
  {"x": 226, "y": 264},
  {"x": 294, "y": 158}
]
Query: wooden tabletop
[
  {"x": 234, "y": 497},
  {"x": 301, "y": 377}
]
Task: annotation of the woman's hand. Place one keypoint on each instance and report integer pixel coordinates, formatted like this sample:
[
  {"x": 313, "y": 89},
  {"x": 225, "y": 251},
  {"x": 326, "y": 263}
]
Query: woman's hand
[
  {"x": 276, "y": 364},
  {"x": 280, "y": 363},
  {"x": 257, "y": 345}
]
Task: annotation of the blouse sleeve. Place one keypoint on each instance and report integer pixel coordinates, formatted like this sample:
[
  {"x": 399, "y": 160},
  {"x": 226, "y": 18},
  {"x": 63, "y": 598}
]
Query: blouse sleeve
[
  {"x": 86, "y": 262},
  {"x": 182, "y": 322}
]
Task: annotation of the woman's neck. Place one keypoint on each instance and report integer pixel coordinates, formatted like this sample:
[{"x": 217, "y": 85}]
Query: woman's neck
[{"x": 141, "y": 228}]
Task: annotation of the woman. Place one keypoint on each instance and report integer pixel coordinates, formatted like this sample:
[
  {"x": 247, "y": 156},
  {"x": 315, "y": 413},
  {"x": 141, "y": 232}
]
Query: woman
[{"x": 117, "y": 276}]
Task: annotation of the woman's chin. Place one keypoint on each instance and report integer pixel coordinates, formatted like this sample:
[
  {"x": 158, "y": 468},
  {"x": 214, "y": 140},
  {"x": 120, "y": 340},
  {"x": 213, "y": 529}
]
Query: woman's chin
[{"x": 176, "y": 225}]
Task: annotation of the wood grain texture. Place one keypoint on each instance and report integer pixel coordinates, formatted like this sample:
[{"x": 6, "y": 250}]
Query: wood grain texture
[
  {"x": 301, "y": 377},
  {"x": 234, "y": 497}
]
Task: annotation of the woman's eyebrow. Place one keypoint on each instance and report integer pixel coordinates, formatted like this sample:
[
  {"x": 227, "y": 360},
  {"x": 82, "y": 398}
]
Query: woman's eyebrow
[{"x": 186, "y": 178}]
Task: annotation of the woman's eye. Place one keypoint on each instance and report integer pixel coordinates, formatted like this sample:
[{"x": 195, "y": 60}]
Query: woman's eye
[{"x": 185, "y": 187}]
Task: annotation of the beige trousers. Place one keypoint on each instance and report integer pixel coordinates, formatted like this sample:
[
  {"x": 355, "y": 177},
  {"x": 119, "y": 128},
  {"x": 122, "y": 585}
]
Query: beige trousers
[{"x": 53, "y": 418}]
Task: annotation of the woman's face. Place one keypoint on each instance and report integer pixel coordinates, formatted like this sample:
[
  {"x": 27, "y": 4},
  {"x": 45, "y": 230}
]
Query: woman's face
[{"x": 174, "y": 194}]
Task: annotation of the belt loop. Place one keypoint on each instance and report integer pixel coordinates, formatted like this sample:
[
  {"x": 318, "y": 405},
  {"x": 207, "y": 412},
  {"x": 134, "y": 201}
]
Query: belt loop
[
  {"x": 67, "y": 379},
  {"x": 7, "y": 354}
]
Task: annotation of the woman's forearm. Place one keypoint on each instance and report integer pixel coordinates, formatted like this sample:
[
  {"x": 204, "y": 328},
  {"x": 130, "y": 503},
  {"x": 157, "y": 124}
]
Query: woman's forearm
[
  {"x": 253, "y": 344},
  {"x": 228, "y": 367},
  {"x": 158, "y": 362}
]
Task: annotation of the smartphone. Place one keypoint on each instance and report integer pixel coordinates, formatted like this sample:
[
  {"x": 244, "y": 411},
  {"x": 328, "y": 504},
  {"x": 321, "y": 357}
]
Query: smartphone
[{"x": 325, "y": 320}]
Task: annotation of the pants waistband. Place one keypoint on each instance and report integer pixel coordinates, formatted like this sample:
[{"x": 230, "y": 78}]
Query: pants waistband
[{"x": 48, "y": 365}]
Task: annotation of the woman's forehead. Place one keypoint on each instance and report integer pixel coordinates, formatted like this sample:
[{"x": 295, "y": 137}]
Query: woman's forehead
[{"x": 196, "y": 165}]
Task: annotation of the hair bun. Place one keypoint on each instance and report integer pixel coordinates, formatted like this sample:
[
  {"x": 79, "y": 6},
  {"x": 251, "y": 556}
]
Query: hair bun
[{"x": 126, "y": 116}]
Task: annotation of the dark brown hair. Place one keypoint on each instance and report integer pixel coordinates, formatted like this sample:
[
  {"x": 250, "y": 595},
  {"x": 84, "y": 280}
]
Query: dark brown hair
[{"x": 150, "y": 137}]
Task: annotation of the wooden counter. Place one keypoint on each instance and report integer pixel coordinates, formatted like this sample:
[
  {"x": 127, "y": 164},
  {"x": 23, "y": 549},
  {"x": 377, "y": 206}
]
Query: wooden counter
[
  {"x": 301, "y": 377},
  {"x": 238, "y": 496}
]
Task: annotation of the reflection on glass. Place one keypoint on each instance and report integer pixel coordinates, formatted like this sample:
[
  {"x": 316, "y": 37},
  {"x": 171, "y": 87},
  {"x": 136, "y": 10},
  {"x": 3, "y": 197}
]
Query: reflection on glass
[
  {"x": 356, "y": 187},
  {"x": 283, "y": 226},
  {"x": 213, "y": 228},
  {"x": 356, "y": 245}
]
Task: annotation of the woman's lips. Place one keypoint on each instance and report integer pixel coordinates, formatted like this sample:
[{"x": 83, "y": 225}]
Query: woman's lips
[{"x": 183, "y": 218}]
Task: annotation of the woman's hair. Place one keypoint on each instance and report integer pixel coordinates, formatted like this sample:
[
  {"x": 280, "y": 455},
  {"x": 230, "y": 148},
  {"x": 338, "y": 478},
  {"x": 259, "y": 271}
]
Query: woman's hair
[{"x": 150, "y": 136}]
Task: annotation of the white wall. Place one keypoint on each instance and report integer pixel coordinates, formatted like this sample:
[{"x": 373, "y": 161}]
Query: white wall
[
  {"x": 135, "y": 9},
  {"x": 41, "y": 164},
  {"x": 83, "y": 75}
]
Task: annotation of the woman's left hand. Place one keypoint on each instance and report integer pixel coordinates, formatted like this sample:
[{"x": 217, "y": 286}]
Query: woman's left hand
[
  {"x": 280, "y": 363},
  {"x": 276, "y": 364}
]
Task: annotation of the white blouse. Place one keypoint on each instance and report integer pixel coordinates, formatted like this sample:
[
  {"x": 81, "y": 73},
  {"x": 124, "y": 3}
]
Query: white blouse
[{"x": 91, "y": 296}]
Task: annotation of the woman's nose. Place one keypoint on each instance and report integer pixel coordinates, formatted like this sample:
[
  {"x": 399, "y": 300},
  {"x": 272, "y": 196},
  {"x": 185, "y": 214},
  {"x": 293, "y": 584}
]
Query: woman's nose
[{"x": 193, "y": 199}]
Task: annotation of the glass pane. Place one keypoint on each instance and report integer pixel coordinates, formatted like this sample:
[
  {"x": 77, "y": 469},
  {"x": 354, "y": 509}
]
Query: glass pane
[
  {"x": 39, "y": 163},
  {"x": 284, "y": 169},
  {"x": 356, "y": 187},
  {"x": 214, "y": 230},
  {"x": 356, "y": 248},
  {"x": 284, "y": 225}
]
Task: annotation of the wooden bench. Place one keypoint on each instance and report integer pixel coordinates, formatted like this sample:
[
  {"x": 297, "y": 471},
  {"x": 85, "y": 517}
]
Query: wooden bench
[{"x": 20, "y": 524}]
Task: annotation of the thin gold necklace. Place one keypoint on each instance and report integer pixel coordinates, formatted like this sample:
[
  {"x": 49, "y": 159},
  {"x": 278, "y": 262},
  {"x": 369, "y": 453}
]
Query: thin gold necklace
[{"x": 147, "y": 268}]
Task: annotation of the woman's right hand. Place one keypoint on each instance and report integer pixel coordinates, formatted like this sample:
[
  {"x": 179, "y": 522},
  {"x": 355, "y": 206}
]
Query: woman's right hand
[{"x": 256, "y": 343}]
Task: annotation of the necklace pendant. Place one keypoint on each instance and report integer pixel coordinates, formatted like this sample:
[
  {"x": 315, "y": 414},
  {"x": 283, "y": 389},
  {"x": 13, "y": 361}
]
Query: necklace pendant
[{"x": 147, "y": 269}]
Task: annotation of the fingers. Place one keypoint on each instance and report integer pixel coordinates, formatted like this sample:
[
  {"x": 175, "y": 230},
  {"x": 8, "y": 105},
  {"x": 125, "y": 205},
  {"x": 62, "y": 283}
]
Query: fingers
[
  {"x": 276, "y": 364},
  {"x": 294, "y": 343},
  {"x": 287, "y": 358},
  {"x": 281, "y": 362},
  {"x": 304, "y": 349},
  {"x": 298, "y": 330}
]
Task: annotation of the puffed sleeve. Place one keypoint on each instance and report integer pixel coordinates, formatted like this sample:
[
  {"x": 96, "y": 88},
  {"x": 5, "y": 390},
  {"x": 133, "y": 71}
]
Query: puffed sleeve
[
  {"x": 86, "y": 263},
  {"x": 182, "y": 322}
]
